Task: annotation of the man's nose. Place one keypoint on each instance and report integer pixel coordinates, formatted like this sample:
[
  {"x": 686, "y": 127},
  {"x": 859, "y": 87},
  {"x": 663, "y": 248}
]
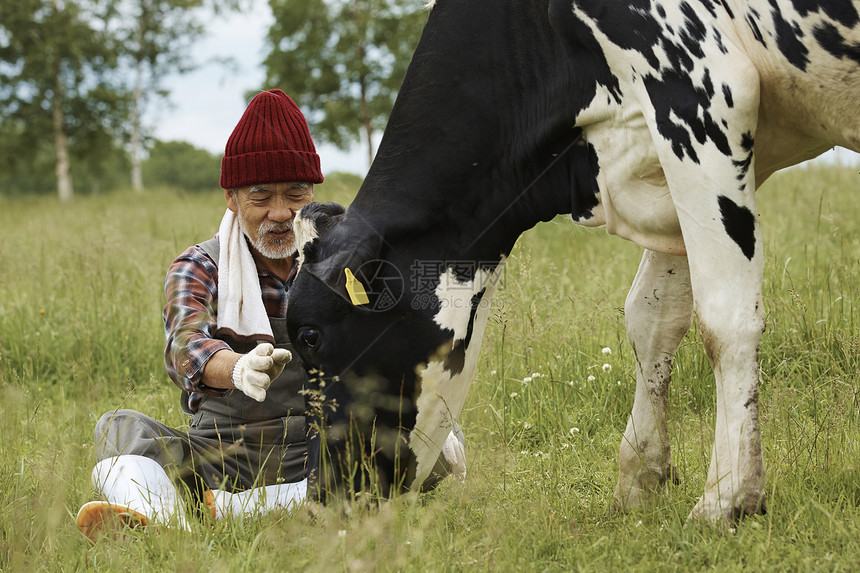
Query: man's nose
[{"x": 281, "y": 211}]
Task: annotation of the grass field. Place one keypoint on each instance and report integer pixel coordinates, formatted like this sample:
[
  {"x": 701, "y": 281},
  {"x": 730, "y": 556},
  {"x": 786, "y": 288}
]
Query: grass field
[{"x": 81, "y": 333}]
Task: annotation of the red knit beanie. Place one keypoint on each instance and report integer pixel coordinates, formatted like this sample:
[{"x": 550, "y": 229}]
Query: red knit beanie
[{"x": 270, "y": 144}]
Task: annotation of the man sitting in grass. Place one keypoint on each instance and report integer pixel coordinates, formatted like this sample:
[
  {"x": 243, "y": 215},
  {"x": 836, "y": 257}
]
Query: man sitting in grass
[{"x": 225, "y": 326}]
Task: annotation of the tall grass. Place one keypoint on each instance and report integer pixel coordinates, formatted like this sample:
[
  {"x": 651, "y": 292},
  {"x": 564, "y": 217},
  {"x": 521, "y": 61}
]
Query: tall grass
[{"x": 81, "y": 333}]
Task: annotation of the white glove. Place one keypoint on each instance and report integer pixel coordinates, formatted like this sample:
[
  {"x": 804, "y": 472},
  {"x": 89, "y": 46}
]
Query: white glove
[{"x": 254, "y": 372}]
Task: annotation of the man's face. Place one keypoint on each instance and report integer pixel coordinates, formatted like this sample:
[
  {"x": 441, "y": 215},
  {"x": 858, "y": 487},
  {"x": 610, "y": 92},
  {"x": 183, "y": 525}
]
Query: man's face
[{"x": 266, "y": 213}]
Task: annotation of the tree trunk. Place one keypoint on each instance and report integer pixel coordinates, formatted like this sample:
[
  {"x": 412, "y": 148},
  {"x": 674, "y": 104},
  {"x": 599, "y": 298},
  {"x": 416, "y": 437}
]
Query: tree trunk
[
  {"x": 136, "y": 177},
  {"x": 363, "y": 113},
  {"x": 64, "y": 178}
]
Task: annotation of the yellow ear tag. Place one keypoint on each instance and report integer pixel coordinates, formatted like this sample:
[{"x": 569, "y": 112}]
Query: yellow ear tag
[{"x": 355, "y": 289}]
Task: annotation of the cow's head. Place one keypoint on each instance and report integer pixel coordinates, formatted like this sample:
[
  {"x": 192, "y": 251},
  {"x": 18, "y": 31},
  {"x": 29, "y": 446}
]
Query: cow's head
[{"x": 390, "y": 341}]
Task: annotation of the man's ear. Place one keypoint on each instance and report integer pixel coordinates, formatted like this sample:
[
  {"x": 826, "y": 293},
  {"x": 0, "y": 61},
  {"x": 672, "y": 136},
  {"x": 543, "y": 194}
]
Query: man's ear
[{"x": 230, "y": 197}]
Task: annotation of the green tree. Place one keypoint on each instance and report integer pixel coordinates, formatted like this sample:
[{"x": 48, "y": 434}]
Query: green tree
[
  {"x": 157, "y": 36},
  {"x": 182, "y": 166},
  {"x": 343, "y": 61},
  {"x": 57, "y": 85}
]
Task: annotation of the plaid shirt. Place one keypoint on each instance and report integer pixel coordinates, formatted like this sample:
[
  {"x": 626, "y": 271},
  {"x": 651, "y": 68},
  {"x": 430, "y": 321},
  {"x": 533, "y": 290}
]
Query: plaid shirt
[{"x": 191, "y": 290}]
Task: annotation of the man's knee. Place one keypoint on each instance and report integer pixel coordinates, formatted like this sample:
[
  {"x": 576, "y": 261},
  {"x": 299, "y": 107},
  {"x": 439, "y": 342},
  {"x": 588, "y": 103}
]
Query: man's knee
[
  {"x": 121, "y": 432},
  {"x": 114, "y": 424}
]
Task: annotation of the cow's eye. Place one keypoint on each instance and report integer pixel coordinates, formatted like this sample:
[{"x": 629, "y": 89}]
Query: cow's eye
[{"x": 310, "y": 337}]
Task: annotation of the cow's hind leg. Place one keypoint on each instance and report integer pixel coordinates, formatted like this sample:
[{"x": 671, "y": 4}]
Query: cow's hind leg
[
  {"x": 658, "y": 313},
  {"x": 731, "y": 320}
]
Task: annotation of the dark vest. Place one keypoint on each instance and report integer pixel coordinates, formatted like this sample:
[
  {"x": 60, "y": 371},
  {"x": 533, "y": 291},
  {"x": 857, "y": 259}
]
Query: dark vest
[{"x": 283, "y": 398}]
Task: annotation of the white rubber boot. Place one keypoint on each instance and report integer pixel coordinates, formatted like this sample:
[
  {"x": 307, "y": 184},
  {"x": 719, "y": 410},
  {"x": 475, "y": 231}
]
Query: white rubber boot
[
  {"x": 255, "y": 502},
  {"x": 454, "y": 452},
  {"x": 137, "y": 491}
]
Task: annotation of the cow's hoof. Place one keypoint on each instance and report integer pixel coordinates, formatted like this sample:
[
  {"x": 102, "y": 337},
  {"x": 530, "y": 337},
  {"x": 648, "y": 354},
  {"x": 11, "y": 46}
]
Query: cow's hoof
[
  {"x": 651, "y": 485},
  {"x": 730, "y": 512}
]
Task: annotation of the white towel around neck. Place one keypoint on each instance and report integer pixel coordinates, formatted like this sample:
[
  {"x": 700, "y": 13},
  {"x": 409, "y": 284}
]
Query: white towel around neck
[{"x": 240, "y": 302}]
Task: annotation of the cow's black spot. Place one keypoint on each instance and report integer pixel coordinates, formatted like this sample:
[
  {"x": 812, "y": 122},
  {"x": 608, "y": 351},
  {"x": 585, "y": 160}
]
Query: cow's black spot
[
  {"x": 456, "y": 359},
  {"x": 664, "y": 96},
  {"x": 673, "y": 95},
  {"x": 475, "y": 302},
  {"x": 831, "y": 40},
  {"x": 718, "y": 38},
  {"x": 843, "y": 12},
  {"x": 739, "y": 223},
  {"x": 708, "y": 85},
  {"x": 744, "y": 164},
  {"x": 747, "y": 141},
  {"x": 755, "y": 30},
  {"x": 710, "y": 6},
  {"x": 694, "y": 32},
  {"x": 788, "y": 37},
  {"x": 618, "y": 19},
  {"x": 727, "y": 95},
  {"x": 463, "y": 271}
]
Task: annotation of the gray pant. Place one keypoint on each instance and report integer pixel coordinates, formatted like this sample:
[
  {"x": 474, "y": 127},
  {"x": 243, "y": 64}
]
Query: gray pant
[{"x": 213, "y": 453}]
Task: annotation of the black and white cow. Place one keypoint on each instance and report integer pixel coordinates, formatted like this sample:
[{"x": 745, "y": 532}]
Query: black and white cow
[{"x": 656, "y": 118}]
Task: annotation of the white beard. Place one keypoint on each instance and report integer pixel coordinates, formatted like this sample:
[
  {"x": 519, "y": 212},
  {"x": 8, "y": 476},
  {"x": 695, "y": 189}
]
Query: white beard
[{"x": 276, "y": 250}]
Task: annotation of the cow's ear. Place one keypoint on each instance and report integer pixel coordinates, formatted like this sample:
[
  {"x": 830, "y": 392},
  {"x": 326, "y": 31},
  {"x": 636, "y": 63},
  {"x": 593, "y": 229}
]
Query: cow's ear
[
  {"x": 315, "y": 220},
  {"x": 323, "y": 215}
]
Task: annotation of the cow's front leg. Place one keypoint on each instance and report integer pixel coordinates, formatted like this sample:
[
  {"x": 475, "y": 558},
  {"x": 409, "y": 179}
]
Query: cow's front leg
[{"x": 658, "y": 313}]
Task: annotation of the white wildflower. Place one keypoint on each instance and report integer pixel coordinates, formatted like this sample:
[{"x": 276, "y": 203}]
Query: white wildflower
[
  {"x": 527, "y": 426},
  {"x": 607, "y": 367},
  {"x": 527, "y": 379},
  {"x": 514, "y": 394},
  {"x": 591, "y": 378},
  {"x": 606, "y": 350},
  {"x": 574, "y": 431},
  {"x": 341, "y": 533}
]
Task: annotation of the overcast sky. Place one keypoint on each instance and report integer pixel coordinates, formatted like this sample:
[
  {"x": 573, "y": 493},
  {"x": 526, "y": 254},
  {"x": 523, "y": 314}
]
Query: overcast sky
[{"x": 207, "y": 103}]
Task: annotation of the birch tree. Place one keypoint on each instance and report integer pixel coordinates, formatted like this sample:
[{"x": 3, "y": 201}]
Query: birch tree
[
  {"x": 56, "y": 60},
  {"x": 158, "y": 36}
]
